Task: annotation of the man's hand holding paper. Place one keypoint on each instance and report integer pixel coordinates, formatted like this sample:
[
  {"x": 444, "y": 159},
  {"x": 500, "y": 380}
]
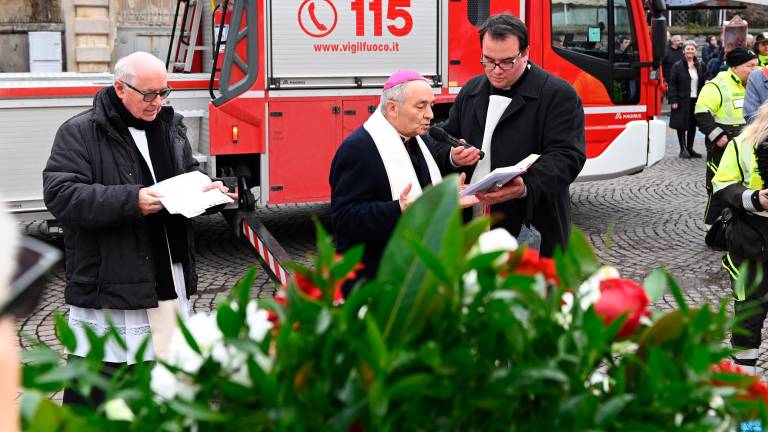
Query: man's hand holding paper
[
  {"x": 190, "y": 194},
  {"x": 218, "y": 184},
  {"x": 511, "y": 190}
]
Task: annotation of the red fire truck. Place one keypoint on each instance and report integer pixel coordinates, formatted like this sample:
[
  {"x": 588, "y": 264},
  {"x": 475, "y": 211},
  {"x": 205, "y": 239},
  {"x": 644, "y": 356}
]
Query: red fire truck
[
  {"x": 292, "y": 78},
  {"x": 302, "y": 74}
]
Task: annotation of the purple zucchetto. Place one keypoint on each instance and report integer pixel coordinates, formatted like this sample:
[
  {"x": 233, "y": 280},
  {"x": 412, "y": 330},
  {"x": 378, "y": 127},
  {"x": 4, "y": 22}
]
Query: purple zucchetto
[{"x": 402, "y": 76}]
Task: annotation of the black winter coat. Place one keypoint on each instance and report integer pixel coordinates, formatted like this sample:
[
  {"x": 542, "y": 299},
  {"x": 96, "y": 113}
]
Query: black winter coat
[
  {"x": 679, "y": 92},
  {"x": 545, "y": 117},
  {"x": 670, "y": 58},
  {"x": 90, "y": 185},
  {"x": 362, "y": 208}
]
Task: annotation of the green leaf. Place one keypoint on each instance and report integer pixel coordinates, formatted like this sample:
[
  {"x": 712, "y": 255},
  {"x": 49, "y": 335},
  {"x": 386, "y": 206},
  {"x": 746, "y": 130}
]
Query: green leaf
[
  {"x": 228, "y": 320},
  {"x": 242, "y": 290},
  {"x": 429, "y": 259},
  {"x": 64, "y": 332},
  {"x": 409, "y": 386},
  {"x": 542, "y": 373},
  {"x": 655, "y": 285},
  {"x": 430, "y": 354},
  {"x": 188, "y": 336},
  {"x": 96, "y": 343},
  {"x": 47, "y": 417},
  {"x": 348, "y": 261},
  {"x": 324, "y": 320},
  {"x": 677, "y": 293},
  {"x": 376, "y": 342},
  {"x": 581, "y": 253},
  {"x": 483, "y": 260},
  {"x": 473, "y": 230},
  {"x": 612, "y": 408},
  {"x": 139, "y": 356},
  {"x": 667, "y": 328},
  {"x": 406, "y": 281},
  {"x": 343, "y": 419},
  {"x": 196, "y": 411},
  {"x": 63, "y": 374},
  {"x": 30, "y": 400},
  {"x": 115, "y": 336},
  {"x": 40, "y": 355},
  {"x": 325, "y": 250}
]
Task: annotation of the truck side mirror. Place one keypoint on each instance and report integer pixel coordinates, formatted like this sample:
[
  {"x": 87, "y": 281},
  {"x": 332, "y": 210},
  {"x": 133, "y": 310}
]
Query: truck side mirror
[{"x": 659, "y": 37}]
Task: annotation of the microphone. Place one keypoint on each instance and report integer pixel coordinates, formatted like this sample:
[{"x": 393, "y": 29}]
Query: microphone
[{"x": 439, "y": 134}]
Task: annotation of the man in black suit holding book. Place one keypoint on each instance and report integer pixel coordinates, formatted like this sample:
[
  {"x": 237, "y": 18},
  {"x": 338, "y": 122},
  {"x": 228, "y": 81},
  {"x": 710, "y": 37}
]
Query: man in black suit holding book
[{"x": 516, "y": 109}]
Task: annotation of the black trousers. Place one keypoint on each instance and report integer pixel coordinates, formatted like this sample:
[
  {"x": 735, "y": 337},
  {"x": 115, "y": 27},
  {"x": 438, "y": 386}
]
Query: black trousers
[
  {"x": 686, "y": 136},
  {"x": 97, "y": 396},
  {"x": 754, "y": 306},
  {"x": 714, "y": 208}
]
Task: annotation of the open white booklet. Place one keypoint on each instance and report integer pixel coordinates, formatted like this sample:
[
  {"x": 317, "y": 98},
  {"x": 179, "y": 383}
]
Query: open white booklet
[
  {"x": 500, "y": 176},
  {"x": 183, "y": 194}
]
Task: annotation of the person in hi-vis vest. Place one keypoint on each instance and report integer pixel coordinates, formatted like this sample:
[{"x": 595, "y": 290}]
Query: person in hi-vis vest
[{"x": 719, "y": 115}]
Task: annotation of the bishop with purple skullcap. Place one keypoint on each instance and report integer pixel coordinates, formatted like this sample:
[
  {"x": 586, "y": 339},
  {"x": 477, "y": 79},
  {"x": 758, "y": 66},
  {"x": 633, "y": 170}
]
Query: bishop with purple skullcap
[{"x": 403, "y": 76}]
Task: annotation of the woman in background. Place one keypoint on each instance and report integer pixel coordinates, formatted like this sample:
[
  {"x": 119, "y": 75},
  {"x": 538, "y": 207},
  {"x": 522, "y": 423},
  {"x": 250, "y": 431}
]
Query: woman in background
[
  {"x": 685, "y": 82},
  {"x": 712, "y": 56}
]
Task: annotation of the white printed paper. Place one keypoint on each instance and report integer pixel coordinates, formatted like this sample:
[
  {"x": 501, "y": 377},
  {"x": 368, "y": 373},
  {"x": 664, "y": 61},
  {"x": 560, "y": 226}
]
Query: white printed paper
[
  {"x": 183, "y": 194},
  {"x": 500, "y": 176}
]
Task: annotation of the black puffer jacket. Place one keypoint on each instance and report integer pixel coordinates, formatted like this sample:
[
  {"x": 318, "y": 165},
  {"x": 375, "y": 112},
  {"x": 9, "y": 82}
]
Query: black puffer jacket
[{"x": 90, "y": 185}]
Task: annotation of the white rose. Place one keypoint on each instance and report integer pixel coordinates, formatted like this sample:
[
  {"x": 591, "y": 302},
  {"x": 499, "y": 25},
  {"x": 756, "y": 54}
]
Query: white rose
[
  {"x": 471, "y": 286},
  {"x": 118, "y": 410},
  {"x": 186, "y": 389},
  {"x": 229, "y": 357},
  {"x": 163, "y": 383},
  {"x": 258, "y": 321},
  {"x": 241, "y": 376},
  {"x": 205, "y": 331},
  {"x": 182, "y": 355},
  {"x": 495, "y": 240}
]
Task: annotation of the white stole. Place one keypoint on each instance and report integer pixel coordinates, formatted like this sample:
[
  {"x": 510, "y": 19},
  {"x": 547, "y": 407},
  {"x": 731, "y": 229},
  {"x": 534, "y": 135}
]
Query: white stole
[
  {"x": 496, "y": 106},
  {"x": 397, "y": 163}
]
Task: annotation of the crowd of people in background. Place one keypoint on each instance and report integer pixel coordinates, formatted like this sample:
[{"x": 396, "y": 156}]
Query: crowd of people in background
[{"x": 723, "y": 94}]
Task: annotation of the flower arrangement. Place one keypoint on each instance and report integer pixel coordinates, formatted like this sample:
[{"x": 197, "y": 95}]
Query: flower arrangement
[{"x": 461, "y": 330}]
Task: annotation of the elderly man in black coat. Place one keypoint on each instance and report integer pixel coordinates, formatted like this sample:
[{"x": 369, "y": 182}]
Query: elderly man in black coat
[
  {"x": 514, "y": 110},
  {"x": 382, "y": 167},
  {"x": 129, "y": 263}
]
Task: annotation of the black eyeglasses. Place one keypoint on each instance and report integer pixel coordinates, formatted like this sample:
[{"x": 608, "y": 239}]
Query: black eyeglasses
[
  {"x": 150, "y": 96},
  {"x": 504, "y": 65}
]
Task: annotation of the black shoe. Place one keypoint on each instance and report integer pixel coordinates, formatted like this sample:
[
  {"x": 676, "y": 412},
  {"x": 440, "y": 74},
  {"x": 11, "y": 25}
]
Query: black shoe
[
  {"x": 684, "y": 154},
  {"x": 692, "y": 153}
]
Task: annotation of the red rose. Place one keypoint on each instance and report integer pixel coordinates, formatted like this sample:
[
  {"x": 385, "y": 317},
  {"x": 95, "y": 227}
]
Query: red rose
[
  {"x": 530, "y": 263},
  {"x": 619, "y": 297},
  {"x": 755, "y": 390},
  {"x": 305, "y": 285},
  {"x": 279, "y": 298}
]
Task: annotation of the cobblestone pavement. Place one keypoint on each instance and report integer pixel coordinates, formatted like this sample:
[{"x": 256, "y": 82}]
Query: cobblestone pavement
[{"x": 637, "y": 223}]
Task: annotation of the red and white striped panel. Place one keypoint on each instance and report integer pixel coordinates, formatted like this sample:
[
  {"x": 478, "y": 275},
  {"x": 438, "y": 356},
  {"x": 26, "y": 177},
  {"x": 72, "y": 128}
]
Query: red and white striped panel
[{"x": 274, "y": 265}]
